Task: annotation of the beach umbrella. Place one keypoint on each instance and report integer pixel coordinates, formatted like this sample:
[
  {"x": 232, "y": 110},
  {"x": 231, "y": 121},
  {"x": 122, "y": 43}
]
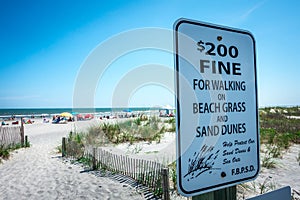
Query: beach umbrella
[{"x": 66, "y": 114}]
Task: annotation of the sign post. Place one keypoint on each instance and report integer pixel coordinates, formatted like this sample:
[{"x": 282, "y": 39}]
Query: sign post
[{"x": 216, "y": 107}]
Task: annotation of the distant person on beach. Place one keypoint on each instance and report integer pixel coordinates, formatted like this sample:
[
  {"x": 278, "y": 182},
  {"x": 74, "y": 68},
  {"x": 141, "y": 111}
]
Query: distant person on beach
[
  {"x": 15, "y": 123},
  {"x": 29, "y": 121},
  {"x": 57, "y": 119}
]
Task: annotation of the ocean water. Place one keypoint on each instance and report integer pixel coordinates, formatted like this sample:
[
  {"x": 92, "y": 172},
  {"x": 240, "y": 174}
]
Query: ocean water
[{"x": 39, "y": 112}]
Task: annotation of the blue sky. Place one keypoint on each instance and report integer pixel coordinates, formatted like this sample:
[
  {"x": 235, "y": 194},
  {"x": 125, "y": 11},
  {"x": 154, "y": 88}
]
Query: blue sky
[{"x": 44, "y": 44}]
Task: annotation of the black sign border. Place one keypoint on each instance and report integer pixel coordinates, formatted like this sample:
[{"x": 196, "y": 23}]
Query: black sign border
[{"x": 177, "y": 74}]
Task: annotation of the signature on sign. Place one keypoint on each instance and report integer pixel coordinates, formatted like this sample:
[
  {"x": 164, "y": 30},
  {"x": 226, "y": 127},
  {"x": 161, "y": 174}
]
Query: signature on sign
[{"x": 201, "y": 162}]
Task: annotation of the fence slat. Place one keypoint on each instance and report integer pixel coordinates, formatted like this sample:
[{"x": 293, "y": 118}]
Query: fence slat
[{"x": 10, "y": 135}]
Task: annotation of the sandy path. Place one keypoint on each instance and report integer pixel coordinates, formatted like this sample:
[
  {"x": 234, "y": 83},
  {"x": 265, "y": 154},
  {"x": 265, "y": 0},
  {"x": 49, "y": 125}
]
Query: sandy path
[{"x": 38, "y": 173}]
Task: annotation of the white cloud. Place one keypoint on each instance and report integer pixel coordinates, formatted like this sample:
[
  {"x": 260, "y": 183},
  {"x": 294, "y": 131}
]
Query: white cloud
[{"x": 251, "y": 10}]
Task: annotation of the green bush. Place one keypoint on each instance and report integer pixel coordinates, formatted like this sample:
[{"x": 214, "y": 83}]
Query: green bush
[
  {"x": 278, "y": 132},
  {"x": 4, "y": 153},
  {"x": 267, "y": 135},
  {"x": 138, "y": 121},
  {"x": 278, "y": 128}
]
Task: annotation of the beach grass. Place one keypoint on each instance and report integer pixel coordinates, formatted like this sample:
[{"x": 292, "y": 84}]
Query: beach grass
[
  {"x": 173, "y": 175},
  {"x": 139, "y": 129},
  {"x": 5, "y": 151},
  {"x": 279, "y": 130}
]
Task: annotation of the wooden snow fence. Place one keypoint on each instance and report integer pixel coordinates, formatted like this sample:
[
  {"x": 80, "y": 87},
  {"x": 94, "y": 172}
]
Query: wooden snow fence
[
  {"x": 153, "y": 175},
  {"x": 146, "y": 172},
  {"x": 10, "y": 135}
]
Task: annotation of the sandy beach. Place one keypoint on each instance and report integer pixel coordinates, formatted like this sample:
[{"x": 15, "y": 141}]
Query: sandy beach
[{"x": 39, "y": 172}]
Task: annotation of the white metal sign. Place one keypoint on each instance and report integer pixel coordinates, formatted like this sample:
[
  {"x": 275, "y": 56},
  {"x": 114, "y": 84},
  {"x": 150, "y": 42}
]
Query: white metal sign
[{"x": 216, "y": 107}]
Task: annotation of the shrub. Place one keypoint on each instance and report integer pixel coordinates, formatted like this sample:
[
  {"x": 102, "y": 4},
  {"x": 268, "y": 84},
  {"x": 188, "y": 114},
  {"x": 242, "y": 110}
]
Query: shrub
[
  {"x": 137, "y": 121},
  {"x": 279, "y": 122},
  {"x": 267, "y": 135},
  {"x": 4, "y": 153}
]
